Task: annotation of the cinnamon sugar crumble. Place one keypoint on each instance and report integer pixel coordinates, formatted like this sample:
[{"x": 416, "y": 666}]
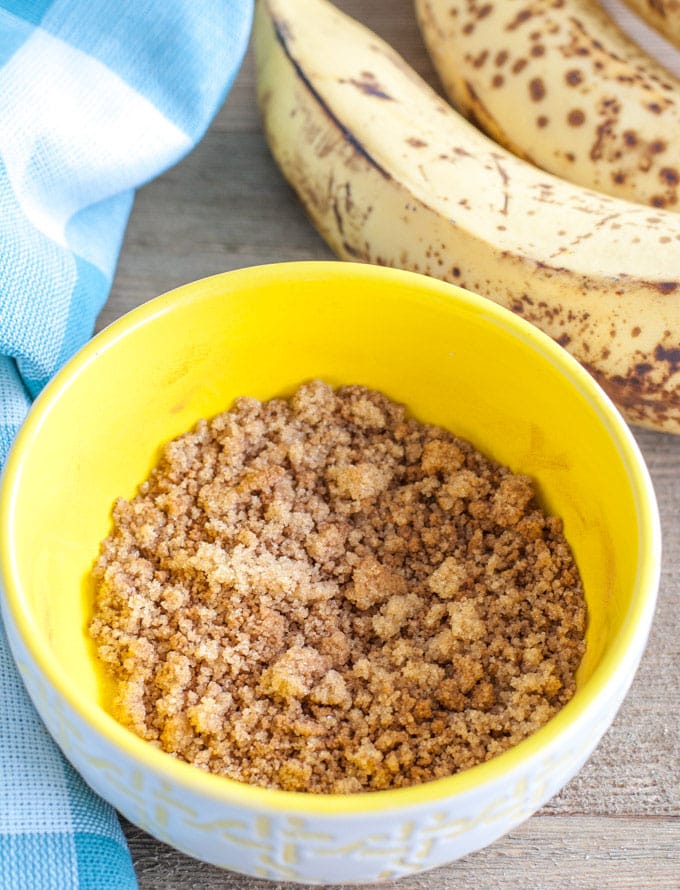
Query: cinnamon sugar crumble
[{"x": 322, "y": 594}]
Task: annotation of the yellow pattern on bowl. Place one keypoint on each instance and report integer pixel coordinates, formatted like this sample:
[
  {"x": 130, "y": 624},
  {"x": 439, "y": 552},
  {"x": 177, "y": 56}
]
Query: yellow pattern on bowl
[{"x": 456, "y": 360}]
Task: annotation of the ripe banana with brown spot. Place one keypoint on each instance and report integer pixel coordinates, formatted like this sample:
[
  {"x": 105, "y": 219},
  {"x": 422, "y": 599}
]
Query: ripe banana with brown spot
[
  {"x": 664, "y": 15},
  {"x": 559, "y": 84},
  {"x": 391, "y": 174}
]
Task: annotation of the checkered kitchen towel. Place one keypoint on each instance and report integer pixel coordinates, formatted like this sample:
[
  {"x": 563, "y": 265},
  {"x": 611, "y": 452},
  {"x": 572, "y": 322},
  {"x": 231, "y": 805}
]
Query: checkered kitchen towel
[{"x": 96, "y": 98}]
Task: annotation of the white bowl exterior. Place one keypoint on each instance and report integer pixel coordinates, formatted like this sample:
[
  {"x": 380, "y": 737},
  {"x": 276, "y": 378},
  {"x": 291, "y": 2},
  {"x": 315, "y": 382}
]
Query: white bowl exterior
[{"x": 323, "y": 849}]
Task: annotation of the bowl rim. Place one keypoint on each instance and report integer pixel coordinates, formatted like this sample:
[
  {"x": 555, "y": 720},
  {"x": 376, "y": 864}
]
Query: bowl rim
[{"x": 597, "y": 691}]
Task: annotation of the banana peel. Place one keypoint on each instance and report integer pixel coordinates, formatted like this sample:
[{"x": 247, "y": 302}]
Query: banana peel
[{"x": 390, "y": 174}]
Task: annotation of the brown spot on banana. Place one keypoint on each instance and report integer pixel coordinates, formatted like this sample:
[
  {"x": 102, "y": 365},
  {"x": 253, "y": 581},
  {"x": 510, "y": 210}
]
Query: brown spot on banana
[
  {"x": 584, "y": 267},
  {"x": 635, "y": 393},
  {"x": 537, "y": 89},
  {"x": 519, "y": 19},
  {"x": 566, "y": 55},
  {"x": 368, "y": 84},
  {"x": 671, "y": 356}
]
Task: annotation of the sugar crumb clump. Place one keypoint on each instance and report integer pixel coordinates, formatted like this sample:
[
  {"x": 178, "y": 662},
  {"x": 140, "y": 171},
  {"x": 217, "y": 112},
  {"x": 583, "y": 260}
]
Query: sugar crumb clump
[{"x": 322, "y": 594}]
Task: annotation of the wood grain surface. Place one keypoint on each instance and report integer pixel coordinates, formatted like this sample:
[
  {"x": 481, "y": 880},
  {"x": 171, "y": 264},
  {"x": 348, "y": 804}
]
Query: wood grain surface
[{"x": 617, "y": 824}]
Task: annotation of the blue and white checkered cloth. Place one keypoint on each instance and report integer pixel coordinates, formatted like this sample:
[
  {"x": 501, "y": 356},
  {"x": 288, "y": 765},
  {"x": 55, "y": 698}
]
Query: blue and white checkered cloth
[{"x": 96, "y": 98}]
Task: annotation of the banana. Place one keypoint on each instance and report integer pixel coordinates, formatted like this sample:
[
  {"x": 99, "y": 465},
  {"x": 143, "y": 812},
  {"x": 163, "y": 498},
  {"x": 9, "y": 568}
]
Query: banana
[
  {"x": 391, "y": 174},
  {"x": 664, "y": 15},
  {"x": 560, "y": 85}
]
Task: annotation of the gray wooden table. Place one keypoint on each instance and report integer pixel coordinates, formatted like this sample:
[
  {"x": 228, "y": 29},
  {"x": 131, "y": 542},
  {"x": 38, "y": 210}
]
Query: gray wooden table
[{"x": 617, "y": 824}]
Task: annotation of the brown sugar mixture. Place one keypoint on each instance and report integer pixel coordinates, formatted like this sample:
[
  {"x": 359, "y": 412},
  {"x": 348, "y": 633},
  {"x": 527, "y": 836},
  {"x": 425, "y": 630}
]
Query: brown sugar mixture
[{"x": 321, "y": 594}]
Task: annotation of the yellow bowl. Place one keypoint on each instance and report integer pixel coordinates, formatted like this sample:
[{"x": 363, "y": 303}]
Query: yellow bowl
[{"x": 455, "y": 360}]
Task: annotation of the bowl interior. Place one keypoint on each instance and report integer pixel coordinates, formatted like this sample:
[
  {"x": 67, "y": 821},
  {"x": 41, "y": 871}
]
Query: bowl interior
[{"x": 454, "y": 359}]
